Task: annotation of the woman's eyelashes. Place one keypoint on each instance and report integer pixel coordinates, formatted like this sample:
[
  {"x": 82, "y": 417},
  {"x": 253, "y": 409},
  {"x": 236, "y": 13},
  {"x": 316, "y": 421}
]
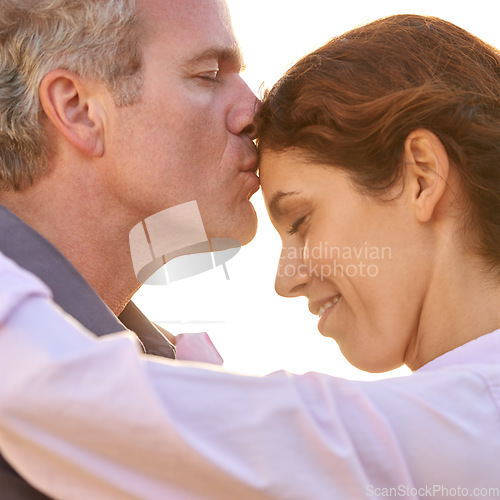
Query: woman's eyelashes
[{"x": 295, "y": 226}]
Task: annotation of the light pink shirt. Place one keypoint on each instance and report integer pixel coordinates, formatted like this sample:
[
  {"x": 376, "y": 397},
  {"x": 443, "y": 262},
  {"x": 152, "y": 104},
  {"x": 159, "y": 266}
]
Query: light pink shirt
[
  {"x": 196, "y": 347},
  {"x": 93, "y": 418}
]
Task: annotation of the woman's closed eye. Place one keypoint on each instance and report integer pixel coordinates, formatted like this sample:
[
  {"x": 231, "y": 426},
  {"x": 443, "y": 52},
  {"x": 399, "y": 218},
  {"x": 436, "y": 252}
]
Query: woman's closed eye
[{"x": 295, "y": 226}]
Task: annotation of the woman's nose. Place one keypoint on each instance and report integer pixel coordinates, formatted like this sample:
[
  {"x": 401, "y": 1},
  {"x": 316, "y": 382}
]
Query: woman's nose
[{"x": 292, "y": 275}]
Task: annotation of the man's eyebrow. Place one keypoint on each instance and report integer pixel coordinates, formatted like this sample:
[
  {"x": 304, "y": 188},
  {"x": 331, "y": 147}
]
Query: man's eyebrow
[
  {"x": 274, "y": 206},
  {"x": 231, "y": 55}
]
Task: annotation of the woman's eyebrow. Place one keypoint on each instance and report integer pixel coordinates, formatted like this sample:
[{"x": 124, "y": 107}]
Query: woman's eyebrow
[{"x": 275, "y": 210}]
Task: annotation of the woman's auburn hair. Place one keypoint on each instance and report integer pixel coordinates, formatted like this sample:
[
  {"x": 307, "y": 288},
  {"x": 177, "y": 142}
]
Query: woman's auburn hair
[{"x": 353, "y": 102}]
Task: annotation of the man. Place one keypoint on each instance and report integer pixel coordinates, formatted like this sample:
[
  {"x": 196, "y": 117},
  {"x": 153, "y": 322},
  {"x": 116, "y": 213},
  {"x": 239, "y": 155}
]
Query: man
[
  {"x": 174, "y": 125},
  {"x": 113, "y": 111}
]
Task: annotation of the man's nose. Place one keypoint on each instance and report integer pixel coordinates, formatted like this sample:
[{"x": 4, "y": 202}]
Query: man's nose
[{"x": 240, "y": 119}]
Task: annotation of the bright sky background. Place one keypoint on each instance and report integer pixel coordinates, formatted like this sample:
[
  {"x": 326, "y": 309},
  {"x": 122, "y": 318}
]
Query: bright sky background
[{"x": 255, "y": 330}]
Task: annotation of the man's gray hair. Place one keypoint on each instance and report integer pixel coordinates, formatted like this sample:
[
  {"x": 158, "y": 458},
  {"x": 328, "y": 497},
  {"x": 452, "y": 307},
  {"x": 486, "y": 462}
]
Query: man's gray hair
[{"x": 96, "y": 39}]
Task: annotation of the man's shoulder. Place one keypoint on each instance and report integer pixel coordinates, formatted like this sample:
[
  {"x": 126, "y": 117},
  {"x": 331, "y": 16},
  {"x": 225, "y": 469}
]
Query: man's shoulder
[{"x": 16, "y": 286}]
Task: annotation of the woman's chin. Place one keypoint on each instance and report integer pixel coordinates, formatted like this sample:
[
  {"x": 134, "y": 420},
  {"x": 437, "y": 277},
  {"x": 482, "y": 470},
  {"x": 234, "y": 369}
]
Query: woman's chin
[{"x": 368, "y": 360}]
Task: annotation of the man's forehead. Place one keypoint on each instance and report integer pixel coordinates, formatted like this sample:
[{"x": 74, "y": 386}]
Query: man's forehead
[
  {"x": 191, "y": 22},
  {"x": 185, "y": 11}
]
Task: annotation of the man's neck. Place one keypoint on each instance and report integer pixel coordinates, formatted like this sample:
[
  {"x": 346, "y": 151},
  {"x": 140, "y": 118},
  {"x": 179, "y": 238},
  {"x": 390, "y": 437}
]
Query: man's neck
[{"x": 87, "y": 227}]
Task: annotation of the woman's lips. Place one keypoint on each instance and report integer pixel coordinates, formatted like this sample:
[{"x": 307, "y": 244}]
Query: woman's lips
[{"x": 325, "y": 310}]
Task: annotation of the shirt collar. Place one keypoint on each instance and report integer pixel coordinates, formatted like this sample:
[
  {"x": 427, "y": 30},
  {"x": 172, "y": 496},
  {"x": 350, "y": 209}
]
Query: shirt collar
[
  {"x": 70, "y": 290},
  {"x": 483, "y": 350}
]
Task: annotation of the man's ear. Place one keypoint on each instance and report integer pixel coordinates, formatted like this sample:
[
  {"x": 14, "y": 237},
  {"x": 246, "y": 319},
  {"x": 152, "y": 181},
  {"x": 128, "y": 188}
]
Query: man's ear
[
  {"x": 72, "y": 105},
  {"x": 427, "y": 170}
]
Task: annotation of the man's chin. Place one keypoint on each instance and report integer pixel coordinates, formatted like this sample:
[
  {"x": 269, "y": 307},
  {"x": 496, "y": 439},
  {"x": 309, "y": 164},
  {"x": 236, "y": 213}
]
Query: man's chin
[
  {"x": 248, "y": 229},
  {"x": 241, "y": 233}
]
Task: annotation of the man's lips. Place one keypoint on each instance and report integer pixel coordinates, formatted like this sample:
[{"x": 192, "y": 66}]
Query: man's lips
[
  {"x": 255, "y": 182},
  {"x": 250, "y": 166},
  {"x": 249, "y": 158}
]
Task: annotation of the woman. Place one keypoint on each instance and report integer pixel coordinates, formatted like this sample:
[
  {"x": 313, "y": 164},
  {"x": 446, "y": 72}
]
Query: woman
[{"x": 381, "y": 172}]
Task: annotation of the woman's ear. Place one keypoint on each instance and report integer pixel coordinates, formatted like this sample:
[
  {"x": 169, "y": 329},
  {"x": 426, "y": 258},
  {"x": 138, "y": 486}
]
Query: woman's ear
[
  {"x": 73, "y": 106},
  {"x": 427, "y": 170}
]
